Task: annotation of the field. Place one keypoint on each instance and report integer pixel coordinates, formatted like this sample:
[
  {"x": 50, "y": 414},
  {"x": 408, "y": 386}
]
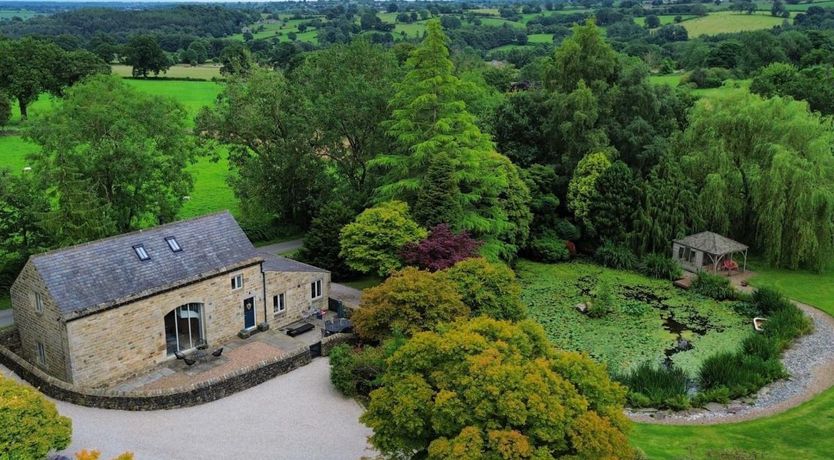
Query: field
[
  {"x": 729, "y": 86},
  {"x": 800, "y": 433},
  {"x": 9, "y": 13},
  {"x": 200, "y": 72},
  {"x": 280, "y": 30},
  {"x": 211, "y": 192},
  {"x": 648, "y": 316},
  {"x": 664, "y": 19},
  {"x": 727, "y": 22}
]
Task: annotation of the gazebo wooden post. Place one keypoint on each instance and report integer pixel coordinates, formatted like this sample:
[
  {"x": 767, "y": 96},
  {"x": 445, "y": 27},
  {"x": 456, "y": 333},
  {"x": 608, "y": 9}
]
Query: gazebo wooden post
[{"x": 745, "y": 261}]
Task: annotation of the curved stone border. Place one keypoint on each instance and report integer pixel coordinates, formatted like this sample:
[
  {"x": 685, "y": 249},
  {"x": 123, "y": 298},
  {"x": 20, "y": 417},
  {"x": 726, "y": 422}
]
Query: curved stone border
[
  {"x": 210, "y": 390},
  {"x": 810, "y": 363}
]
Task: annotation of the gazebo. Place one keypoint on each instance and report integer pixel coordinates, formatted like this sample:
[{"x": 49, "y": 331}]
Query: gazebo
[{"x": 706, "y": 249}]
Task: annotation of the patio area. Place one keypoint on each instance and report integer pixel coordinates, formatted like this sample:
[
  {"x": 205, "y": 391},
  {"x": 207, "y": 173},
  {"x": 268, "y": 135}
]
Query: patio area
[{"x": 237, "y": 353}]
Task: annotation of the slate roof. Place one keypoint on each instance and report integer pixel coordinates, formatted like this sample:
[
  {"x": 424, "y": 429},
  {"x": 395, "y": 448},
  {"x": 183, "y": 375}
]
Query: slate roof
[
  {"x": 712, "y": 243},
  {"x": 274, "y": 263},
  {"x": 101, "y": 274}
]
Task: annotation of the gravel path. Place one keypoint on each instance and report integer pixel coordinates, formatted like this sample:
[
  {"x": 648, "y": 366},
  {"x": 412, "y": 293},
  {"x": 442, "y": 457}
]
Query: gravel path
[
  {"x": 6, "y": 318},
  {"x": 298, "y": 415},
  {"x": 810, "y": 363},
  {"x": 283, "y": 247}
]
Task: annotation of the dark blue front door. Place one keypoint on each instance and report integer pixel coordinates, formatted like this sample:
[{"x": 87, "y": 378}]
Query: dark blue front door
[{"x": 249, "y": 313}]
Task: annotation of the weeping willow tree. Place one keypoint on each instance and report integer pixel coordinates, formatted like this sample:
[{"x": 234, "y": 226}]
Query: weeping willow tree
[
  {"x": 765, "y": 172},
  {"x": 430, "y": 119}
]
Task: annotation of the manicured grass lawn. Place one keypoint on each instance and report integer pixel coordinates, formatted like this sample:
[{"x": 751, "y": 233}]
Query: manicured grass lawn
[
  {"x": 202, "y": 72},
  {"x": 800, "y": 433},
  {"x": 813, "y": 288},
  {"x": 13, "y": 151},
  {"x": 367, "y": 281},
  {"x": 634, "y": 331},
  {"x": 727, "y": 22}
]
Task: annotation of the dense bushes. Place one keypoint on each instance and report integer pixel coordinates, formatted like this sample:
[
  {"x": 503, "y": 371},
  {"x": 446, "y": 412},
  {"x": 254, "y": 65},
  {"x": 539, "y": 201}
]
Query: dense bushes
[
  {"x": 616, "y": 256},
  {"x": 660, "y": 266},
  {"x": 713, "y": 286},
  {"x": 548, "y": 247},
  {"x": 30, "y": 425},
  {"x": 661, "y": 387}
]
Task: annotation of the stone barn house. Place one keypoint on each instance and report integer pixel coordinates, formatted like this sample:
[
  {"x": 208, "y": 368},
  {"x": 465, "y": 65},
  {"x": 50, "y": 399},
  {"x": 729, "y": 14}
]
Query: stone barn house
[{"x": 103, "y": 311}]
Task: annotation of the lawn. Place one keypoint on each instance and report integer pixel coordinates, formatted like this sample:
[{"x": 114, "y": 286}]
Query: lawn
[
  {"x": 281, "y": 31},
  {"x": 365, "y": 282},
  {"x": 729, "y": 86},
  {"x": 211, "y": 191},
  {"x": 200, "y": 72},
  {"x": 5, "y": 302},
  {"x": 813, "y": 288},
  {"x": 727, "y": 22},
  {"x": 638, "y": 329},
  {"x": 803, "y": 432}
]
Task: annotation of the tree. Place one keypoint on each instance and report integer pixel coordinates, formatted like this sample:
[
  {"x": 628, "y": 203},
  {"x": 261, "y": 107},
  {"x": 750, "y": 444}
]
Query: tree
[
  {"x": 430, "y": 118},
  {"x": 5, "y": 109},
  {"x": 356, "y": 79},
  {"x": 652, "y": 21},
  {"x": 614, "y": 203},
  {"x": 29, "y": 67},
  {"x": 259, "y": 118},
  {"x": 584, "y": 56},
  {"x": 409, "y": 301},
  {"x": 437, "y": 201},
  {"x": 373, "y": 241},
  {"x": 235, "y": 59},
  {"x": 22, "y": 207},
  {"x": 114, "y": 158},
  {"x": 441, "y": 249},
  {"x": 493, "y": 389},
  {"x": 774, "y": 163},
  {"x": 30, "y": 425},
  {"x": 488, "y": 288},
  {"x": 145, "y": 56},
  {"x": 582, "y": 187},
  {"x": 319, "y": 248}
]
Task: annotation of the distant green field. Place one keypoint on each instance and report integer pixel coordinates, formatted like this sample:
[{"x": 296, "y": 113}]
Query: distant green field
[
  {"x": 211, "y": 191},
  {"x": 664, "y": 19},
  {"x": 729, "y": 86},
  {"x": 540, "y": 38},
  {"x": 727, "y": 22},
  {"x": 500, "y": 22},
  {"x": 9, "y": 13},
  {"x": 280, "y": 30},
  {"x": 415, "y": 29},
  {"x": 203, "y": 72}
]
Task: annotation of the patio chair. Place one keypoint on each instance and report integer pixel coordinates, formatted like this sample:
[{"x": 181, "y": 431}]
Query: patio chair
[
  {"x": 730, "y": 265},
  {"x": 179, "y": 355},
  {"x": 190, "y": 361},
  {"x": 217, "y": 353}
]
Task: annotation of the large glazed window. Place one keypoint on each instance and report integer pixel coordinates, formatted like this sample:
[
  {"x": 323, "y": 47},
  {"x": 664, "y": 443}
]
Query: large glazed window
[{"x": 184, "y": 328}]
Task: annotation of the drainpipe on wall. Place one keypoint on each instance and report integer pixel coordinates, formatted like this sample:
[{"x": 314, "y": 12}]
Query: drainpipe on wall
[{"x": 263, "y": 280}]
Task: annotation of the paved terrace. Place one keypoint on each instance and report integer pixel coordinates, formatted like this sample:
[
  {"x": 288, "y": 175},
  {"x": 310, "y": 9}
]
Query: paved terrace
[{"x": 237, "y": 354}]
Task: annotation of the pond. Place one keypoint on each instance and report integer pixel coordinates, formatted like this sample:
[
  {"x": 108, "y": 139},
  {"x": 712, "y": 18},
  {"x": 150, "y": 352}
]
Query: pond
[{"x": 650, "y": 320}]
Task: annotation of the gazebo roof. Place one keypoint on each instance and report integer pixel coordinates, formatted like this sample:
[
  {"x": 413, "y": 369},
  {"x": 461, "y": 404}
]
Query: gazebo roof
[{"x": 711, "y": 243}]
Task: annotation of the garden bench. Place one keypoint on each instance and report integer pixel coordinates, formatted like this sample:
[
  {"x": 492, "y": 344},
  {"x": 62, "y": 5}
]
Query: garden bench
[{"x": 298, "y": 330}]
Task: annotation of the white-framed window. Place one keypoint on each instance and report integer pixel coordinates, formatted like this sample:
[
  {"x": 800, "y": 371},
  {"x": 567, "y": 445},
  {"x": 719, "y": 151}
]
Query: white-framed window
[
  {"x": 237, "y": 282},
  {"x": 279, "y": 303},
  {"x": 38, "y": 302},
  {"x": 41, "y": 354},
  {"x": 315, "y": 289},
  {"x": 173, "y": 244}
]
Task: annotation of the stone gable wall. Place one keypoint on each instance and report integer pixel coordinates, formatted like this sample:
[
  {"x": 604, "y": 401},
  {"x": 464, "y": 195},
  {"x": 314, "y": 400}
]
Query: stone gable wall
[{"x": 46, "y": 327}]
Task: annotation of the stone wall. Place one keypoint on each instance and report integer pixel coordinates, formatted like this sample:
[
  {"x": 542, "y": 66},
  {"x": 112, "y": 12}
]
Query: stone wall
[
  {"x": 297, "y": 295},
  {"x": 226, "y": 385},
  {"x": 46, "y": 327},
  {"x": 125, "y": 341}
]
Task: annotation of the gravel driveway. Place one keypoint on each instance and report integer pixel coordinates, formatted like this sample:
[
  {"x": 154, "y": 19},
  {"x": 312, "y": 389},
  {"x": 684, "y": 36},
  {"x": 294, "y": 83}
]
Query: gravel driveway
[{"x": 298, "y": 415}]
